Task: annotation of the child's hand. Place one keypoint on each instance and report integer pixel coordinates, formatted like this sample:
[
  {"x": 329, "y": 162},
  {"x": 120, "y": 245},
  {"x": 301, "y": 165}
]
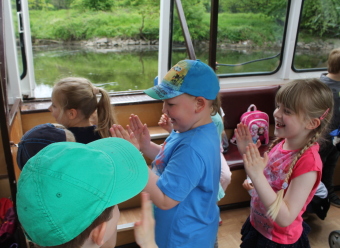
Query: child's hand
[
  {"x": 165, "y": 123},
  {"x": 140, "y": 131},
  {"x": 253, "y": 162},
  {"x": 247, "y": 185},
  {"x": 243, "y": 138},
  {"x": 145, "y": 228},
  {"x": 119, "y": 132}
]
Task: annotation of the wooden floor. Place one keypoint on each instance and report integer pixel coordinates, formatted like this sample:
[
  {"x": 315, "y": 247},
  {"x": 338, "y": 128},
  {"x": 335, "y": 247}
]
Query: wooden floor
[{"x": 229, "y": 233}]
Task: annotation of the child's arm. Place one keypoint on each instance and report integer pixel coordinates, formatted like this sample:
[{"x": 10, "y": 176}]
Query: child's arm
[
  {"x": 165, "y": 123},
  {"x": 145, "y": 228},
  {"x": 297, "y": 192},
  {"x": 161, "y": 200},
  {"x": 243, "y": 138}
]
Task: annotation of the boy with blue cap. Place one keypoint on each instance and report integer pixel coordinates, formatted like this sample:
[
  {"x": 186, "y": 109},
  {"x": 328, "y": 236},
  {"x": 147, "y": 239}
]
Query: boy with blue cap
[
  {"x": 184, "y": 180},
  {"x": 68, "y": 193}
]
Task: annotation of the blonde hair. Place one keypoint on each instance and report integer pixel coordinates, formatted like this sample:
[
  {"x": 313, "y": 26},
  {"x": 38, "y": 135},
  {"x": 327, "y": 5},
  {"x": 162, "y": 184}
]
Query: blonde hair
[
  {"x": 308, "y": 98},
  {"x": 334, "y": 61},
  {"x": 80, "y": 94},
  {"x": 216, "y": 106}
]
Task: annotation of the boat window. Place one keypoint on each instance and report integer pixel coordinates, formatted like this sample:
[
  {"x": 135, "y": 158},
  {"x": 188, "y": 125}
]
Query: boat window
[
  {"x": 20, "y": 48},
  {"x": 250, "y": 35},
  {"x": 318, "y": 35},
  {"x": 112, "y": 43}
]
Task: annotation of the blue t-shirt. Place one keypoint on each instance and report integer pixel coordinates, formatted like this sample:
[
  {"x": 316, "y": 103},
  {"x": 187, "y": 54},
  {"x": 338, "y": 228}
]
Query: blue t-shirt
[{"x": 189, "y": 166}]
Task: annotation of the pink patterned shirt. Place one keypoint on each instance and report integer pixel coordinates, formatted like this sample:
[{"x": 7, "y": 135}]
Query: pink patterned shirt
[{"x": 275, "y": 172}]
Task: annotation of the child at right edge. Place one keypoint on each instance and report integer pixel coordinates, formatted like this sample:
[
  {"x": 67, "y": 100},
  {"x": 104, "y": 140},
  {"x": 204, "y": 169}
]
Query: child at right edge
[
  {"x": 184, "y": 180},
  {"x": 285, "y": 180}
]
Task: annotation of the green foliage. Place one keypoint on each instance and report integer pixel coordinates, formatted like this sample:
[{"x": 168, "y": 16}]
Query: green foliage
[
  {"x": 197, "y": 21},
  {"x": 40, "y": 5},
  {"x": 139, "y": 19},
  {"x": 95, "y": 5},
  {"x": 255, "y": 27},
  {"x": 272, "y": 8},
  {"x": 321, "y": 18},
  {"x": 86, "y": 25}
]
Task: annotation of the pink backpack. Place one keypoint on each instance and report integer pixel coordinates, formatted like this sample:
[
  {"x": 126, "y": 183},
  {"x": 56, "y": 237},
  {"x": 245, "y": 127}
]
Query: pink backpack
[{"x": 258, "y": 124}]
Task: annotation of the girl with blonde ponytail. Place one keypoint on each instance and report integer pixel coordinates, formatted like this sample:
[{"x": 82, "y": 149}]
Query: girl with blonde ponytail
[
  {"x": 286, "y": 178},
  {"x": 74, "y": 102}
]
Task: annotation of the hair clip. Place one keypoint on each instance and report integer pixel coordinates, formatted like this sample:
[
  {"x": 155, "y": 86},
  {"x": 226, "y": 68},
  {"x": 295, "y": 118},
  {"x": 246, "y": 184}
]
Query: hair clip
[
  {"x": 324, "y": 114},
  {"x": 284, "y": 185}
]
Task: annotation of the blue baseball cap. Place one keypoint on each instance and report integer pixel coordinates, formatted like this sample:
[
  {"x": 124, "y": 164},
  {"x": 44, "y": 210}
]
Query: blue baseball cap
[
  {"x": 192, "y": 77},
  {"x": 36, "y": 139}
]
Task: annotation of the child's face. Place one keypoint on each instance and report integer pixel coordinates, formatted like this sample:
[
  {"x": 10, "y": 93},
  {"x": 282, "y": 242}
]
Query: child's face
[
  {"x": 289, "y": 125},
  {"x": 181, "y": 110},
  {"x": 110, "y": 236},
  {"x": 56, "y": 111}
]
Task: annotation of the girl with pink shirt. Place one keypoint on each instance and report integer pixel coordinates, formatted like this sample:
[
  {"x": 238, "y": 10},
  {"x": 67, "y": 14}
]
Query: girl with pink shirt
[{"x": 285, "y": 179}]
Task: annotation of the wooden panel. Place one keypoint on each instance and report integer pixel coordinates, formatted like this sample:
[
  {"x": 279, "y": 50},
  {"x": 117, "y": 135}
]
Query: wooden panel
[
  {"x": 125, "y": 233},
  {"x": 125, "y": 237},
  {"x": 134, "y": 202},
  {"x": 148, "y": 113},
  {"x": 33, "y": 119},
  {"x": 4, "y": 188},
  {"x": 235, "y": 193},
  {"x": 16, "y": 129},
  {"x": 15, "y": 136}
]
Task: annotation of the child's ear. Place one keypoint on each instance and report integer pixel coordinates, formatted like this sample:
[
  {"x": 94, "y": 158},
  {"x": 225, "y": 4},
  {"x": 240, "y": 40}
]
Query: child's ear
[
  {"x": 72, "y": 113},
  {"x": 97, "y": 234},
  {"x": 201, "y": 102},
  {"x": 313, "y": 123}
]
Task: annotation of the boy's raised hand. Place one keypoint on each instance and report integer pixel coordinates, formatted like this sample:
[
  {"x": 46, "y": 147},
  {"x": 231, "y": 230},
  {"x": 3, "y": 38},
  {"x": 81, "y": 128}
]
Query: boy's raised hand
[
  {"x": 165, "y": 123},
  {"x": 145, "y": 228},
  {"x": 119, "y": 132},
  {"x": 140, "y": 131},
  {"x": 243, "y": 138},
  {"x": 254, "y": 164}
]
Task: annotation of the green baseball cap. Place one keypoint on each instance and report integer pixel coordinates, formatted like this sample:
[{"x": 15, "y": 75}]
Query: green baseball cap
[{"x": 67, "y": 185}]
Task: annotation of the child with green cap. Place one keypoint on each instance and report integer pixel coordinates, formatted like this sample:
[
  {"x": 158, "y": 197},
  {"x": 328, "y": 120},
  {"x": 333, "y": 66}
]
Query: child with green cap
[
  {"x": 68, "y": 193},
  {"x": 184, "y": 180}
]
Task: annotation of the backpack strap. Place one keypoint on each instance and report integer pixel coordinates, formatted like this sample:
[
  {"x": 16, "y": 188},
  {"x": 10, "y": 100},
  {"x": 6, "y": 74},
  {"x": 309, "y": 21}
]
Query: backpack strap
[{"x": 252, "y": 106}]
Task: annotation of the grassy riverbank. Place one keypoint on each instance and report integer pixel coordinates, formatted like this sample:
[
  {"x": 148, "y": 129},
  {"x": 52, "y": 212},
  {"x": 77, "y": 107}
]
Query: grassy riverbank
[{"x": 66, "y": 25}]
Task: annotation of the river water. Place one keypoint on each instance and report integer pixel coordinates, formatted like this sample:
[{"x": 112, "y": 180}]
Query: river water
[{"x": 134, "y": 68}]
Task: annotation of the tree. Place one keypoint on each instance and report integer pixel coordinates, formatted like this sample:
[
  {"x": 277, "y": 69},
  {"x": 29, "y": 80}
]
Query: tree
[
  {"x": 40, "y": 4},
  {"x": 101, "y": 5},
  {"x": 321, "y": 17},
  {"x": 61, "y": 4},
  {"x": 193, "y": 11},
  {"x": 148, "y": 9}
]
